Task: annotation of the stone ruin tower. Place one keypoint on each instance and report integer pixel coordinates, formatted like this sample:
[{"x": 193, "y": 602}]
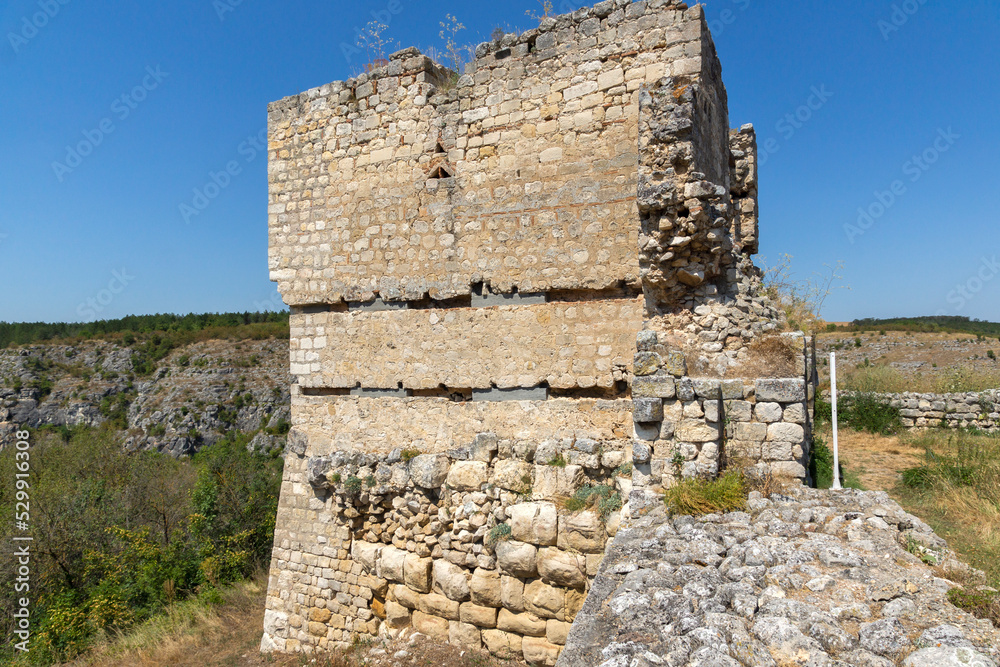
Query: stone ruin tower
[{"x": 505, "y": 287}]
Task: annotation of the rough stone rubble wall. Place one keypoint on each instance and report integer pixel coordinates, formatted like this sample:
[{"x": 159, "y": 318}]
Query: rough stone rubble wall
[
  {"x": 378, "y": 542},
  {"x": 468, "y": 265},
  {"x": 977, "y": 410}
]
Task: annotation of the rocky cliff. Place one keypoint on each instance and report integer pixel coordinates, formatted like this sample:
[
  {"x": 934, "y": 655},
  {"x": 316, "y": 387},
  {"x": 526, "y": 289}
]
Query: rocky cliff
[{"x": 189, "y": 399}]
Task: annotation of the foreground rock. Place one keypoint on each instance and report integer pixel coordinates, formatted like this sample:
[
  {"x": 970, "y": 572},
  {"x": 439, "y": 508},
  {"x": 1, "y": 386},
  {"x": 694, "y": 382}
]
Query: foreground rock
[{"x": 816, "y": 578}]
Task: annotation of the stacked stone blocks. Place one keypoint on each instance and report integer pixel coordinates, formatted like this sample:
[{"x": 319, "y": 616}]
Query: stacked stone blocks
[{"x": 468, "y": 262}]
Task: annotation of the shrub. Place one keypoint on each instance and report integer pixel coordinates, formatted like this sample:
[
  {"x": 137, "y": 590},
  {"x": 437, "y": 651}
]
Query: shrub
[
  {"x": 559, "y": 461},
  {"x": 624, "y": 470},
  {"x": 499, "y": 533},
  {"x": 821, "y": 464},
  {"x": 868, "y": 412},
  {"x": 352, "y": 485},
  {"x": 410, "y": 454},
  {"x": 823, "y": 411},
  {"x": 698, "y": 496},
  {"x": 991, "y": 354}
]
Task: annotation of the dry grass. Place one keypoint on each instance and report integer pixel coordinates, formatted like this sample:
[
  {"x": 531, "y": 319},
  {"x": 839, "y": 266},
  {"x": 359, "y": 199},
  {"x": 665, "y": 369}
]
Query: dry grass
[
  {"x": 191, "y": 633},
  {"x": 697, "y": 497},
  {"x": 889, "y": 380},
  {"x": 920, "y": 362},
  {"x": 957, "y": 492},
  {"x": 769, "y": 357},
  {"x": 877, "y": 461},
  {"x": 195, "y": 634}
]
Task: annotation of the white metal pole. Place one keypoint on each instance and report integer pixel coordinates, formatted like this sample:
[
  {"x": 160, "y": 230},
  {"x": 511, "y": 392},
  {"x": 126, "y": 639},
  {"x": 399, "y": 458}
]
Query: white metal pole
[{"x": 833, "y": 400}]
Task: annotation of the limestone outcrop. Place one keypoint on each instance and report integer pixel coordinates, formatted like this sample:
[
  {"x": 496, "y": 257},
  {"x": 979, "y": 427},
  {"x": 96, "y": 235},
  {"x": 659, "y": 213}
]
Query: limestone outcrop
[{"x": 807, "y": 577}]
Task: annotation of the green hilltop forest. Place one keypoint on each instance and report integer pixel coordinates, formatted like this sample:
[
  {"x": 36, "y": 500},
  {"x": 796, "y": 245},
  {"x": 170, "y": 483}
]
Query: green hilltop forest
[{"x": 931, "y": 324}]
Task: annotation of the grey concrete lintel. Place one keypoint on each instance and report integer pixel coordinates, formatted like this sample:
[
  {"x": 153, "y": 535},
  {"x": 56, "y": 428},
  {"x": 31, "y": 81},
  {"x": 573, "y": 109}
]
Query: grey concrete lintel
[{"x": 513, "y": 394}]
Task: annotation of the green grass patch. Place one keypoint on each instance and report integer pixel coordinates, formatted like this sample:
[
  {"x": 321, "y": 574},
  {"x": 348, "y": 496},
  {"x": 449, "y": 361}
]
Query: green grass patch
[
  {"x": 956, "y": 490},
  {"x": 499, "y": 533},
  {"x": 559, "y": 461},
  {"x": 981, "y": 604},
  {"x": 602, "y": 498}
]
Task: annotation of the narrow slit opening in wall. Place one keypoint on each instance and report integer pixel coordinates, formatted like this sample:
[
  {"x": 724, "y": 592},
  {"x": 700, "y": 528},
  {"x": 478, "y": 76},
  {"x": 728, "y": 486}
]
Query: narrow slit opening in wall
[
  {"x": 324, "y": 391},
  {"x": 619, "y": 390},
  {"x": 454, "y": 394},
  {"x": 439, "y": 173},
  {"x": 318, "y": 308},
  {"x": 428, "y": 303}
]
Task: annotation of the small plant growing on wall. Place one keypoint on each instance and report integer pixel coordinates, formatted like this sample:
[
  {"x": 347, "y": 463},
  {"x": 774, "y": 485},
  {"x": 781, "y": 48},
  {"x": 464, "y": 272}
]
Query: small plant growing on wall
[
  {"x": 677, "y": 461},
  {"x": 499, "y": 533},
  {"x": 410, "y": 454},
  {"x": 559, "y": 461},
  {"x": 352, "y": 485},
  {"x": 602, "y": 498}
]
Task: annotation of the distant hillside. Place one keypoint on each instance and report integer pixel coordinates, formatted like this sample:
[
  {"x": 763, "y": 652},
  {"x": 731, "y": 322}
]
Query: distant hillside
[
  {"x": 933, "y": 324},
  {"x": 185, "y": 328},
  {"x": 171, "y": 383}
]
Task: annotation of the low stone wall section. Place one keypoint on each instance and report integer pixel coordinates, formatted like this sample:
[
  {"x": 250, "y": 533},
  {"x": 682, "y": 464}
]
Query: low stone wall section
[{"x": 975, "y": 410}]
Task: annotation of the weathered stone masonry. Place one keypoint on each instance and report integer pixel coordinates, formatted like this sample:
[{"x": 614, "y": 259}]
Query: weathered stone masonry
[{"x": 506, "y": 288}]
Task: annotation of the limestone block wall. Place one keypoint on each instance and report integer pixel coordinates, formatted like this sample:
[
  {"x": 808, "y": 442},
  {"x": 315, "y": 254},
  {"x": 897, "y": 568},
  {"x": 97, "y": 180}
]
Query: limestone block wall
[
  {"x": 520, "y": 175},
  {"x": 327, "y": 424},
  {"x": 468, "y": 260},
  {"x": 566, "y": 345},
  {"x": 688, "y": 427}
]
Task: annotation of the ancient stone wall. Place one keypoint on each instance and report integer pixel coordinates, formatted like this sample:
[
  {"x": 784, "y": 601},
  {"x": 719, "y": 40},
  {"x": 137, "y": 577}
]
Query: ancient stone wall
[
  {"x": 975, "y": 410},
  {"x": 523, "y": 302}
]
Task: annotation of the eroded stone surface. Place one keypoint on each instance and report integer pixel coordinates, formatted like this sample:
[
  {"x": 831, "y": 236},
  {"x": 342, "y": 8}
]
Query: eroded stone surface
[{"x": 785, "y": 583}]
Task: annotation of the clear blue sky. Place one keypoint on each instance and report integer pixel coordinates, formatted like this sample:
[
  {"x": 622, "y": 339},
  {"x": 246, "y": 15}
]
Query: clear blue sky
[{"x": 197, "y": 76}]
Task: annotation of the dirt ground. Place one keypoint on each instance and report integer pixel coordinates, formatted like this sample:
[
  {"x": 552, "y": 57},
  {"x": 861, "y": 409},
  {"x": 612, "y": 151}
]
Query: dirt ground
[{"x": 878, "y": 461}]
